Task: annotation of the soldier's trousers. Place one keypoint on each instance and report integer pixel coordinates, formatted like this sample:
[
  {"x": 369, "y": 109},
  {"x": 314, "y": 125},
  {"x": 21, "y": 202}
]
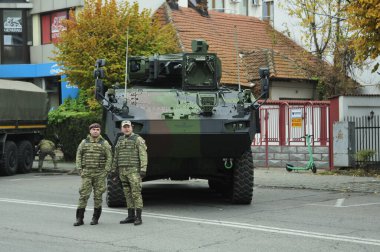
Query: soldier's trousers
[
  {"x": 41, "y": 158},
  {"x": 98, "y": 184},
  {"x": 132, "y": 189}
]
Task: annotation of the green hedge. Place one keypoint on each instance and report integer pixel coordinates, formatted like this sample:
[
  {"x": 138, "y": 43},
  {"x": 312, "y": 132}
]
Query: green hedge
[{"x": 70, "y": 128}]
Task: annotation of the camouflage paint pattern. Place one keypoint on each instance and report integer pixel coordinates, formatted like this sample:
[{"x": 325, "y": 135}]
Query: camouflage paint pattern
[{"x": 190, "y": 123}]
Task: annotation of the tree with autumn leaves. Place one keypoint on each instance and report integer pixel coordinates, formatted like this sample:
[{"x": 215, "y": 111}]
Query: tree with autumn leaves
[
  {"x": 364, "y": 21},
  {"x": 99, "y": 30},
  {"x": 341, "y": 30}
]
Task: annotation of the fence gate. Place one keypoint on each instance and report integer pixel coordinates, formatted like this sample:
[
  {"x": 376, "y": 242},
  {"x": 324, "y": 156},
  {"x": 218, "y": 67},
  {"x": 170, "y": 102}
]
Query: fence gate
[{"x": 367, "y": 138}]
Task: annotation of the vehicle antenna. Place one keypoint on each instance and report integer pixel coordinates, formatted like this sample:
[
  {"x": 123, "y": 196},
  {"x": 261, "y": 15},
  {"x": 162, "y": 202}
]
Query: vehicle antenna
[{"x": 237, "y": 57}]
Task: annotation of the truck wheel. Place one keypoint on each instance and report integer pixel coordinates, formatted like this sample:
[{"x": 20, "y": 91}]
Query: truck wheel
[
  {"x": 242, "y": 186},
  {"x": 9, "y": 160},
  {"x": 115, "y": 194},
  {"x": 25, "y": 157}
]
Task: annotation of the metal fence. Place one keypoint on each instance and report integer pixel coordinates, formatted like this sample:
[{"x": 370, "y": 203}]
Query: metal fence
[
  {"x": 284, "y": 123},
  {"x": 367, "y": 138}
]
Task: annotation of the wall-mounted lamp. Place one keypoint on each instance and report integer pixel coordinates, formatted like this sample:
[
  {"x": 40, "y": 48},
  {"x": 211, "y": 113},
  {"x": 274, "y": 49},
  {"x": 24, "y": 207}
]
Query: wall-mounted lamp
[{"x": 371, "y": 115}]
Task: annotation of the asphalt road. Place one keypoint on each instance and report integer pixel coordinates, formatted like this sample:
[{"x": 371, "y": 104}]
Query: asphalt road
[{"x": 37, "y": 213}]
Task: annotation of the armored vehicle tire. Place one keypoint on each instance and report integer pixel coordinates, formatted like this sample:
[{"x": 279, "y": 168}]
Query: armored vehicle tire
[
  {"x": 25, "y": 157},
  {"x": 9, "y": 160},
  {"x": 115, "y": 194},
  {"x": 242, "y": 186}
]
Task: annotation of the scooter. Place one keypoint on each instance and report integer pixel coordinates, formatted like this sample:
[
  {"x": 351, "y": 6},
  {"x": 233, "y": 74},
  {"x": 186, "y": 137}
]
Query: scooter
[{"x": 310, "y": 164}]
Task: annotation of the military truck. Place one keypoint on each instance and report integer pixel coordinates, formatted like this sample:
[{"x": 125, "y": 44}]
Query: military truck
[
  {"x": 23, "y": 118},
  {"x": 193, "y": 127}
]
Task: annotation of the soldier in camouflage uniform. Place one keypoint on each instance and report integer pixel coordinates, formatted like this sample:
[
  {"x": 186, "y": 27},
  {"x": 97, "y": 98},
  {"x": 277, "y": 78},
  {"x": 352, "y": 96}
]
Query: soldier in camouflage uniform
[
  {"x": 93, "y": 161},
  {"x": 131, "y": 161},
  {"x": 46, "y": 147}
]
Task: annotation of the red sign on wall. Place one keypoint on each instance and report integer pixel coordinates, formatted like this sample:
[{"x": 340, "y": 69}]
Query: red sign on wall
[{"x": 56, "y": 24}]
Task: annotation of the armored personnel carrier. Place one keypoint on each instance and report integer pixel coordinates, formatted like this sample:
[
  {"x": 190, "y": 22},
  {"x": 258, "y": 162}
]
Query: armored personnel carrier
[{"x": 193, "y": 127}]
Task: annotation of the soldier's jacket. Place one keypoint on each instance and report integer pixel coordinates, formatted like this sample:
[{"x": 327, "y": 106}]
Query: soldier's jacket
[
  {"x": 94, "y": 155},
  {"x": 130, "y": 154},
  {"x": 46, "y": 146}
]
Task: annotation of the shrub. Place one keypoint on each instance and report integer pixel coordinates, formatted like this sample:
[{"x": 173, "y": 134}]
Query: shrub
[
  {"x": 364, "y": 156},
  {"x": 69, "y": 123},
  {"x": 70, "y": 128}
]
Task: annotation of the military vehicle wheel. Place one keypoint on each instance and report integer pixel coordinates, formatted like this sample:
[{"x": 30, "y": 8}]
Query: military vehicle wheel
[
  {"x": 25, "y": 157},
  {"x": 242, "y": 186},
  {"x": 115, "y": 194},
  {"x": 9, "y": 160}
]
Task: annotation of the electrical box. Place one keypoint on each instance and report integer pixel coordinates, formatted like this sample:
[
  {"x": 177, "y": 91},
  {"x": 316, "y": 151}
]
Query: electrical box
[{"x": 344, "y": 144}]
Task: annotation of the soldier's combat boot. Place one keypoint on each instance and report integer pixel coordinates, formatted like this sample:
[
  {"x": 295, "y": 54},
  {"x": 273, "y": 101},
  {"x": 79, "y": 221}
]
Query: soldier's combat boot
[
  {"x": 138, "y": 220},
  {"x": 130, "y": 218},
  {"x": 96, "y": 216},
  {"x": 80, "y": 216}
]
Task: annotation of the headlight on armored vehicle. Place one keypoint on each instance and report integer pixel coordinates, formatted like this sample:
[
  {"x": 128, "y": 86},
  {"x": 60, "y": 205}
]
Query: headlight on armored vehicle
[{"x": 236, "y": 126}]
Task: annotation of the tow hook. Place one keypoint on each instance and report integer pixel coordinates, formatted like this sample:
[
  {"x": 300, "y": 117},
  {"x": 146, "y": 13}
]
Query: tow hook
[{"x": 228, "y": 163}]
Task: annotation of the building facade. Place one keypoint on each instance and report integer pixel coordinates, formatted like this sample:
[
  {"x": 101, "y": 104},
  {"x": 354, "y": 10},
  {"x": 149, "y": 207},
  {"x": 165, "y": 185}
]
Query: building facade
[{"x": 29, "y": 29}]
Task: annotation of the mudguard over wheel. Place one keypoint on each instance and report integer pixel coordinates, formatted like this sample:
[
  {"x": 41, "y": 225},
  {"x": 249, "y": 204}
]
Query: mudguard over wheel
[
  {"x": 242, "y": 187},
  {"x": 115, "y": 194},
  {"x": 25, "y": 157},
  {"x": 9, "y": 159}
]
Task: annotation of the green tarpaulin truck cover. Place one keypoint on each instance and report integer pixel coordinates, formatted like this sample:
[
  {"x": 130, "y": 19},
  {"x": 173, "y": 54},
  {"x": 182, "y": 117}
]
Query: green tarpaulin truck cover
[{"x": 22, "y": 101}]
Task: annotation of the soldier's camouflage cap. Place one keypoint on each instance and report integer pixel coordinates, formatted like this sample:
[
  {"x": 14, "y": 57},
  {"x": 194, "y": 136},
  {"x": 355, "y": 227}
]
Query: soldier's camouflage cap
[
  {"x": 126, "y": 123},
  {"x": 94, "y": 125}
]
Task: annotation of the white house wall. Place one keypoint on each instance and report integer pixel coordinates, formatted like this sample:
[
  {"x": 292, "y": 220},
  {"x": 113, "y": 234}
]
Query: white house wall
[
  {"x": 291, "y": 90},
  {"x": 289, "y": 26},
  {"x": 358, "y": 106},
  {"x": 40, "y": 6}
]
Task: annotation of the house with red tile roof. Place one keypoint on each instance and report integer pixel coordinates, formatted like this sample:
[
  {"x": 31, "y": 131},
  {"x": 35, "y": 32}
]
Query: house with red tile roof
[{"x": 244, "y": 44}]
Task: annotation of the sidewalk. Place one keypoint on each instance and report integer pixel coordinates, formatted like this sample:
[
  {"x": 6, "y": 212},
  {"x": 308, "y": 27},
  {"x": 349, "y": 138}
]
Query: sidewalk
[{"x": 276, "y": 178}]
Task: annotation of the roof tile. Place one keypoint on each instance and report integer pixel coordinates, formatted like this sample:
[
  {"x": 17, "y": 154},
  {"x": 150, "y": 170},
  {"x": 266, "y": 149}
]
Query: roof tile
[{"x": 258, "y": 44}]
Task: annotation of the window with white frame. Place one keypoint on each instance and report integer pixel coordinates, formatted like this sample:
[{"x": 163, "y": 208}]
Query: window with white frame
[
  {"x": 268, "y": 10},
  {"x": 217, "y": 5}
]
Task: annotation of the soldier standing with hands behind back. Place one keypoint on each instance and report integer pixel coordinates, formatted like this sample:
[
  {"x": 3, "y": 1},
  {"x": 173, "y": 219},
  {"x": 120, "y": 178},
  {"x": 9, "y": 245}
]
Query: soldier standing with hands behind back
[
  {"x": 93, "y": 161},
  {"x": 131, "y": 159}
]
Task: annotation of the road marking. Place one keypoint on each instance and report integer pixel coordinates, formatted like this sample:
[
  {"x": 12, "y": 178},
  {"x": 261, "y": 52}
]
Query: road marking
[
  {"x": 339, "y": 202},
  {"x": 356, "y": 205},
  {"x": 239, "y": 225}
]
